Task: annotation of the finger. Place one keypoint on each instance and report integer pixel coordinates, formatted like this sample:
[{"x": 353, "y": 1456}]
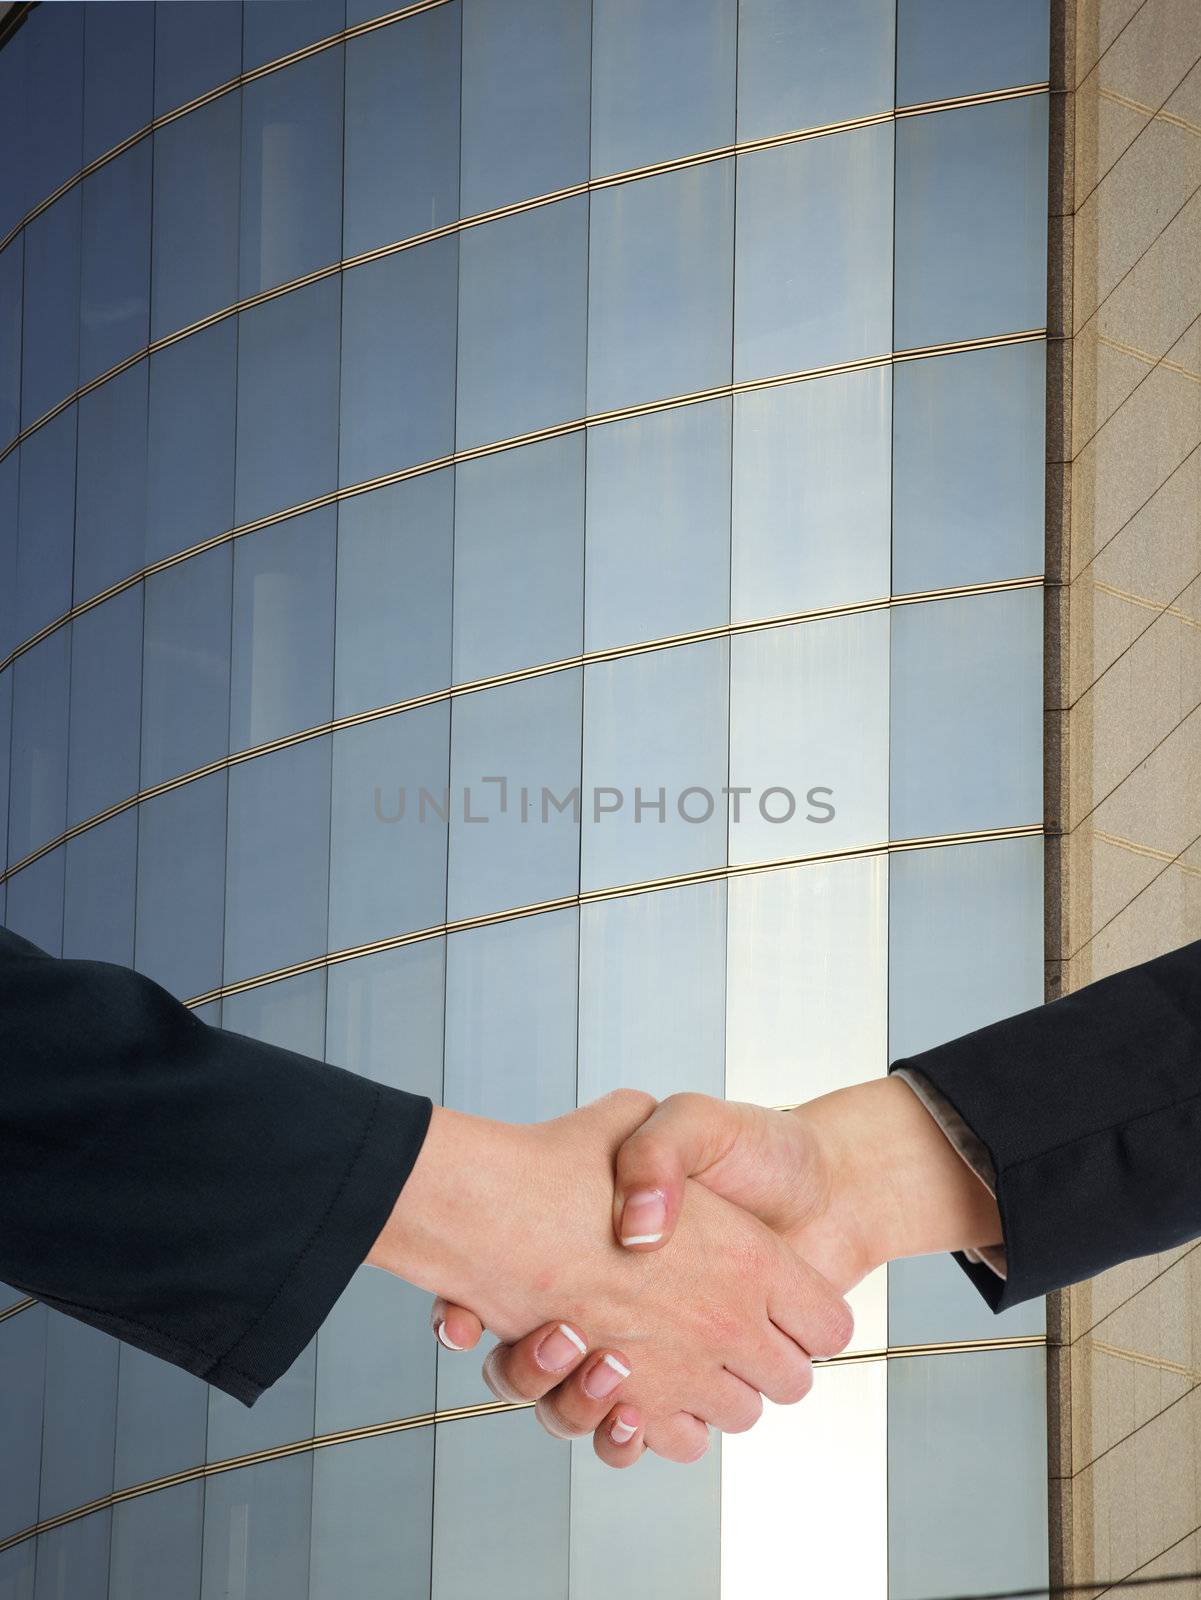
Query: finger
[
  {"x": 681, "y": 1437},
  {"x": 730, "y": 1404},
  {"x": 683, "y": 1136},
  {"x": 534, "y": 1365},
  {"x": 455, "y": 1327},
  {"x": 618, "y": 1441},
  {"x": 580, "y": 1405},
  {"x": 808, "y": 1309}
]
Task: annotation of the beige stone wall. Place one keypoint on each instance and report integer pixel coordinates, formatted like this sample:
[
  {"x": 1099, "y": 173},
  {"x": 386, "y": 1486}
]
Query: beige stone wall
[{"x": 1124, "y": 716}]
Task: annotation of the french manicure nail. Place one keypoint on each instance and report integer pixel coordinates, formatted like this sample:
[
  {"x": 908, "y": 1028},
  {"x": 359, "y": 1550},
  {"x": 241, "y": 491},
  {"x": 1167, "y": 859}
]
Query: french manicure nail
[
  {"x": 444, "y": 1338},
  {"x": 622, "y": 1432},
  {"x": 561, "y": 1346},
  {"x": 604, "y": 1377},
  {"x": 644, "y": 1217}
]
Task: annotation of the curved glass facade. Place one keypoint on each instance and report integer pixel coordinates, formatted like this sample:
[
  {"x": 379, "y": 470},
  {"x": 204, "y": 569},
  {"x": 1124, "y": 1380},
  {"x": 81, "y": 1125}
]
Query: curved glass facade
[{"x": 521, "y": 526}]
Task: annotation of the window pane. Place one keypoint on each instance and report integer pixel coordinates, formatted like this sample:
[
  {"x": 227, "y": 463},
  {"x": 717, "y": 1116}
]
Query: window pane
[
  {"x": 23, "y": 1356},
  {"x": 190, "y": 488},
  {"x": 74, "y": 1559},
  {"x": 528, "y": 848},
  {"x": 6, "y": 723},
  {"x": 402, "y": 129},
  {"x": 284, "y": 1413},
  {"x": 181, "y": 886},
  {"x": 99, "y": 891},
  {"x": 46, "y": 530},
  {"x": 256, "y": 1531},
  {"x": 376, "y": 1359},
  {"x": 812, "y": 474},
  {"x": 969, "y": 469},
  {"x": 971, "y": 209},
  {"x": 288, "y": 400},
  {"x": 11, "y": 265},
  {"x": 17, "y": 1570},
  {"x": 953, "y": 47},
  {"x": 809, "y": 737},
  {"x": 658, "y": 525},
  {"x": 196, "y": 165},
  {"x": 652, "y": 990},
  {"x": 34, "y": 906},
  {"x": 162, "y": 1414},
  {"x": 283, "y": 629},
  {"x": 118, "y": 74},
  {"x": 79, "y": 1417},
  {"x": 53, "y": 79},
  {"x": 379, "y": 999},
  {"x": 156, "y": 1544},
  {"x": 655, "y": 764},
  {"x": 805, "y": 66},
  {"x": 662, "y": 80},
  {"x": 50, "y": 330},
  {"x": 291, "y": 167},
  {"x": 360, "y": 1544},
  {"x": 814, "y": 253},
  {"x": 9, "y": 502},
  {"x": 197, "y": 45},
  {"x": 274, "y": 28},
  {"x": 525, "y": 99},
  {"x": 394, "y": 593},
  {"x": 38, "y": 799},
  {"x": 660, "y": 272},
  {"x": 106, "y": 693},
  {"x": 967, "y": 714},
  {"x": 522, "y": 333},
  {"x": 398, "y": 361},
  {"x": 519, "y": 558},
  {"x": 110, "y": 533},
  {"x": 290, "y": 1013},
  {"x": 186, "y": 666},
  {"x": 14, "y": 173},
  {"x": 114, "y": 303}
]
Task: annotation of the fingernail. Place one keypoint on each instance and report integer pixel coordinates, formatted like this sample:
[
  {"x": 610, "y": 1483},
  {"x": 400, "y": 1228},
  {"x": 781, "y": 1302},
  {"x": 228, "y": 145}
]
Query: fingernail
[
  {"x": 561, "y": 1346},
  {"x": 444, "y": 1338},
  {"x": 622, "y": 1432},
  {"x": 604, "y": 1377},
  {"x": 644, "y": 1217}
]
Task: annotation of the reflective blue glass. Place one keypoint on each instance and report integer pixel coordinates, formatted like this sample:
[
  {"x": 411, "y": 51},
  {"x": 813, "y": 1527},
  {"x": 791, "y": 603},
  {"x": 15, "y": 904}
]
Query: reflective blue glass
[
  {"x": 34, "y": 903},
  {"x": 99, "y": 892},
  {"x": 79, "y": 1417},
  {"x": 953, "y": 47},
  {"x": 291, "y": 219},
  {"x": 6, "y": 723},
  {"x": 290, "y": 1014},
  {"x": 361, "y": 1377},
  {"x": 525, "y": 99},
  {"x": 256, "y": 1531},
  {"x": 9, "y": 503},
  {"x": 360, "y": 1544},
  {"x": 74, "y": 1559},
  {"x": 106, "y": 693},
  {"x": 181, "y": 887},
  {"x": 118, "y": 74},
  {"x": 53, "y": 109},
  {"x": 398, "y": 361},
  {"x": 17, "y": 1571},
  {"x": 971, "y": 222},
  {"x": 287, "y": 400},
  {"x": 46, "y": 525},
  {"x": 522, "y": 306},
  {"x": 394, "y": 593},
  {"x": 196, "y": 188},
  {"x": 156, "y": 1542},
  {"x": 190, "y": 466},
  {"x": 197, "y": 45},
  {"x": 114, "y": 302},
  {"x": 402, "y": 130},
  {"x": 519, "y": 558},
  {"x": 660, "y": 282},
  {"x": 375, "y": 1000},
  {"x": 14, "y": 174},
  {"x": 50, "y": 323},
  {"x": 274, "y": 28},
  {"x": 670, "y": 1527},
  {"x": 162, "y": 1414},
  {"x": 37, "y": 808},
  {"x": 12, "y": 262},
  {"x": 662, "y": 80},
  {"x": 23, "y": 1355},
  {"x": 804, "y": 66},
  {"x": 283, "y": 1413},
  {"x": 185, "y": 671},
  {"x": 110, "y": 493}
]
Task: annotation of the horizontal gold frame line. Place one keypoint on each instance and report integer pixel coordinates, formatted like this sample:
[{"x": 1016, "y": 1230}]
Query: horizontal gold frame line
[
  {"x": 586, "y": 897},
  {"x": 211, "y": 1469},
  {"x": 478, "y": 219},
  {"x": 15, "y": 1308},
  {"x": 516, "y": 441},
  {"x": 357, "y": 719}
]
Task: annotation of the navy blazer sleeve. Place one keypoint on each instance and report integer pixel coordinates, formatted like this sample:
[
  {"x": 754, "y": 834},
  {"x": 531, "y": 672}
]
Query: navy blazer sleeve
[
  {"x": 1090, "y": 1110},
  {"x": 194, "y": 1192}
]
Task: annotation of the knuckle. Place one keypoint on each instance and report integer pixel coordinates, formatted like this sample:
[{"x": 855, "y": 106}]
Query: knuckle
[
  {"x": 797, "y": 1383},
  {"x": 836, "y": 1328},
  {"x": 746, "y": 1415},
  {"x": 498, "y": 1377},
  {"x": 637, "y": 1102},
  {"x": 552, "y": 1419}
]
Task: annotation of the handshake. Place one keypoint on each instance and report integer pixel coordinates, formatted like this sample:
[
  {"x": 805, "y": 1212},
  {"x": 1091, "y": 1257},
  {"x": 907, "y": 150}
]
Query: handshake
[{"x": 676, "y": 1262}]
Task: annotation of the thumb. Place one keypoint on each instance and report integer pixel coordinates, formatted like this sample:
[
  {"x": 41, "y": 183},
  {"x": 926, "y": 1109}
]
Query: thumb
[{"x": 682, "y": 1137}]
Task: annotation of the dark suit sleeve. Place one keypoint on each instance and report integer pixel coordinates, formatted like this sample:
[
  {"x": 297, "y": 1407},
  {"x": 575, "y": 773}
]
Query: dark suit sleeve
[
  {"x": 196, "y": 1193},
  {"x": 1090, "y": 1109}
]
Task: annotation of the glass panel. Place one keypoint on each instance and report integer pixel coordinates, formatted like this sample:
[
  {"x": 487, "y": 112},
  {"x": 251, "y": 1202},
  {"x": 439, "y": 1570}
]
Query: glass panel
[
  {"x": 971, "y": 213},
  {"x": 290, "y": 1014},
  {"x": 962, "y": 1519},
  {"x": 277, "y": 864},
  {"x": 398, "y": 361},
  {"x": 814, "y": 253},
  {"x": 257, "y": 1524},
  {"x": 379, "y": 999},
  {"x": 101, "y": 875},
  {"x": 812, "y": 474},
  {"x": 114, "y": 302},
  {"x": 79, "y": 1420},
  {"x": 186, "y": 666},
  {"x": 162, "y": 1414},
  {"x": 522, "y": 331},
  {"x": 46, "y": 525},
  {"x": 106, "y": 692},
  {"x": 73, "y": 1560},
  {"x": 282, "y": 664},
  {"x": 658, "y": 525},
  {"x": 283, "y": 1414},
  {"x": 525, "y": 737},
  {"x": 655, "y": 764},
  {"x": 181, "y": 886},
  {"x": 287, "y": 449},
  {"x": 387, "y": 851},
  {"x": 50, "y": 328},
  {"x": 967, "y": 714},
  {"x": 9, "y": 503},
  {"x": 118, "y": 74},
  {"x": 38, "y": 798},
  {"x": 375, "y": 1358},
  {"x": 519, "y": 558},
  {"x": 190, "y": 472},
  {"x": 156, "y": 1545},
  {"x": 11, "y": 264},
  {"x": 660, "y": 275},
  {"x": 805, "y": 66},
  {"x": 402, "y": 130},
  {"x": 53, "y": 113},
  {"x": 969, "y": 469},
  {"x": 525, "y": 99},
  {"x": 34, "y": 906},
  {"x": 291, "y": 167},
  {"x": 6, "y": 726},
  {"x": 274, "y": 28},
  {"x": 14, "y": 173},
  {"x": 23, "y": 1358},
  {"x": 809, "y": 738},
  {"x": 110, "y": 530},
  {"x": 360, "y": 1544},
  {"x": 197, "y": 45},
  {"x": 947, "y": 47},
  {"x": 662, "y": 80},
  {"x": 653, "y": 991},
  {"x": 196, "y": 177},
  {"x": 504, "y": 1479}
]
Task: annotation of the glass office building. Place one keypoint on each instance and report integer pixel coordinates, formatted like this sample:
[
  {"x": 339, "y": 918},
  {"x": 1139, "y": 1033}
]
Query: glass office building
[{"x": 521, "y": 534}]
